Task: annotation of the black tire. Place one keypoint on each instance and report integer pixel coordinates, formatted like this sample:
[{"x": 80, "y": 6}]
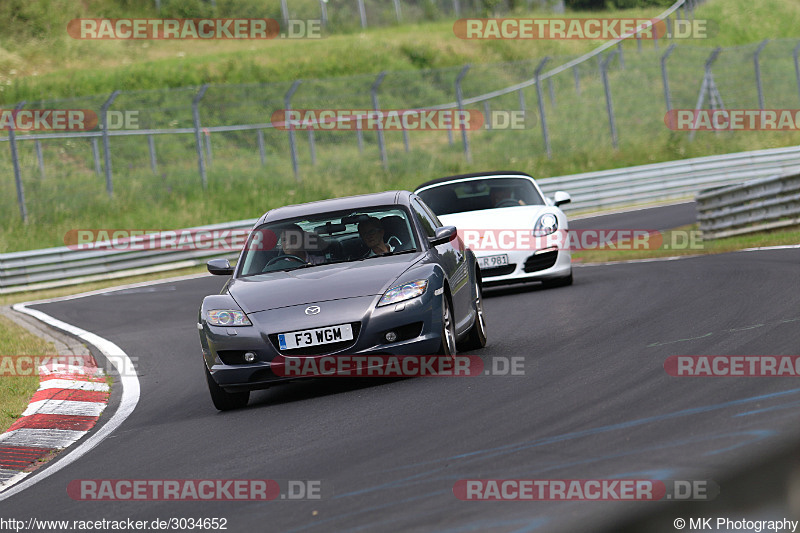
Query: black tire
[
  {"x": 476, "y": 339},
  {"x": 558, "y": 282},
  {"x": 448, "y": 345},
  {"x": 225, "y": 401}
]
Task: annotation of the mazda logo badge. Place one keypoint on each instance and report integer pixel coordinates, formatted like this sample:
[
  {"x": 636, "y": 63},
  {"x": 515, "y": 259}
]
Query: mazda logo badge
[{"x": 313, "y": 310}]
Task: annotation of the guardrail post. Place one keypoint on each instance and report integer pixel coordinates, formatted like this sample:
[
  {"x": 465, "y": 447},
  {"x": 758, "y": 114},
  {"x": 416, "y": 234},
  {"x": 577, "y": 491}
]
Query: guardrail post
[
  {"x": 362, "y": 12},
  {"x": 261, "y": 152},
  {"x": 540, "y": 98},
  {"x": 106, "y": 147},
  {"x": 757, "y": 65},
  {"x": 374, "y": 95},
  {"x": 665, "y": 78},
  {"x": 460, "y": 99},
  {"x": 40, "y": 157},
  {"x": 151, "y": 146},
  {"x": 287, "y": 105},
  {"x": 198, "y": 140},
  {"x": 12, "y": 141},
  {"x": 609, "y": 104},
  {"x": 795, "y": 53}
]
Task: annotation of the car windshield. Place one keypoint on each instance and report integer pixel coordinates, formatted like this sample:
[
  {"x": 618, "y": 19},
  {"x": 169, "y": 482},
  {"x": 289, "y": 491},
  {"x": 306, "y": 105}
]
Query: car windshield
[
  {"x": 482, "y": 193},
  {"x": 327, "y": 238}
]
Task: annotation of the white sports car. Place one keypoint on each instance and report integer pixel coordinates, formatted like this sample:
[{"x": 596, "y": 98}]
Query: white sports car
[{"x": 516, "y": 233}]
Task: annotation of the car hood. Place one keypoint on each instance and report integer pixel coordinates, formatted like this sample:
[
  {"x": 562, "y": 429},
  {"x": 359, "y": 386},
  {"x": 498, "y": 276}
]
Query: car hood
[
  {"x": 319, "y": 283},
  {"x": 517, "y": 217}
]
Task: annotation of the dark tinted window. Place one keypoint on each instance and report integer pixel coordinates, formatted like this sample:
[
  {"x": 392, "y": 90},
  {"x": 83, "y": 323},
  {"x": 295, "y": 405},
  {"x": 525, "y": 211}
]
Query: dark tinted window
[
  {"x": 477, "y": 194},
  {"x": 428, "y": 224}
]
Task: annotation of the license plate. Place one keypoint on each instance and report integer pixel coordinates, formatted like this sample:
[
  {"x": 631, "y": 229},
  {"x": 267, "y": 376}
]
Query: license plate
[
  {"x": 315, "y": 337},
  {"x": 491, "y": 261}
]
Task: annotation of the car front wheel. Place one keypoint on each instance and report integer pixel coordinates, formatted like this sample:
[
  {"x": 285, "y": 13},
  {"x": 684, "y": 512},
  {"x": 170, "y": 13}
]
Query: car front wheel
[
  {"x": 476, "y": 338},
  {"x": 448, "y": 344},
  {"x": 225, "y": 401}
]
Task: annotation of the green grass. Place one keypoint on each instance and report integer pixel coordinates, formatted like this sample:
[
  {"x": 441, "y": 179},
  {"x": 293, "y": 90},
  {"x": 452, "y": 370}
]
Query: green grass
[{"x": 15, "y": 391}]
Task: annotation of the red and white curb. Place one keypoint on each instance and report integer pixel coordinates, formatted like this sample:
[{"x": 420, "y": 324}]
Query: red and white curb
[{"x": 67, "y": 405}]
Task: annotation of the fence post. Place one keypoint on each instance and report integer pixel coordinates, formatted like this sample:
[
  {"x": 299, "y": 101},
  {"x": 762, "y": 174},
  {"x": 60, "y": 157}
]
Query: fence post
[
  {"x": 540, "y": 99},
  {"x": 287, "y": 105},
  {"x": 757, "y": 65},
  {"x": 486, "y": 118},
  {"x": 664, "y": 78},
  {"x": 460, "y": 99},
  {"x": 795, "y": 53},
  {"x": 198, "y": 140},
  {"x": 323, "y": 12},
  {"x": 707, "y": 86},
  {"x": 285, "y": 14},
  {"x": 397, "y": 12},
  {"x": 40, "y": 157},
  {"x": 151, "y": 145},
  {"x": 96, "y": 156},
  {"x": 609, "y": 104},
  {"x": 106, "y": 147},
  {"x": 209, "y": 154},
  {"x": 374, "y": 96},
  {"x": 621, "y": 56},
  {"x": 261, "y": 152},
  {"x": 312, "y": 145},
  {"x": 577, "y": 77},
  {"x": 12, "y": 141},
  {"x": 457, "y": 8},
  {"x": 362, "y": 12}
]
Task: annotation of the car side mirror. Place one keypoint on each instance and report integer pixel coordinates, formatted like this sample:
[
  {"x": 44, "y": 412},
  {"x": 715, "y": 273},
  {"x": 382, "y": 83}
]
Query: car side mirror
[
  {"x": 560, "y": 198},
  {"x": 220, "y": 267},
  {"x": 443, "y": 235}
]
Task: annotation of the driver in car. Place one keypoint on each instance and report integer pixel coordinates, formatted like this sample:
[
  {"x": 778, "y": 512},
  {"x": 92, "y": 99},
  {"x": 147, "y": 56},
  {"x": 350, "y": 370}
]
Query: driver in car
[
  {"x": 371, "y": 232},
  {"x": 503, "y": 197},
  {"x": 293, "y": 243}
]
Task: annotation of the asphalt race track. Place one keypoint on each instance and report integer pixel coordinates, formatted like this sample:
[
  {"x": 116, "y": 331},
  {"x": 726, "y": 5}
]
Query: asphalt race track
[{"x": 595, "y": 403}]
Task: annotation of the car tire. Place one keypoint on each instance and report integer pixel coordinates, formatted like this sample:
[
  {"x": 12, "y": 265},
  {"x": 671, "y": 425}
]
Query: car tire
[
  {"x": 558, "y": 282},
  {"x": 225, "y": 401},
  {"x": 448, "y": 345},
  {"x": 476, "y": 338}
]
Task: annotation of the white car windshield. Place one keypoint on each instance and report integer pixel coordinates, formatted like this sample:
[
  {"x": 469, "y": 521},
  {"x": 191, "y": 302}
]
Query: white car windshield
[{"x": 478, "y": 194}]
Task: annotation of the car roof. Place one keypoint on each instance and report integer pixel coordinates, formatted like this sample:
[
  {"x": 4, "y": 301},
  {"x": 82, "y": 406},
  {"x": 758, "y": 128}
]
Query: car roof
[
  {"x": 498, "y": 173},
  {"x": 362, "y": 201}
]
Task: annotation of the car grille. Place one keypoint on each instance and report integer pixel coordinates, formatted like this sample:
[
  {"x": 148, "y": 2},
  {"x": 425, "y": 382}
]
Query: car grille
[
  {"x": 498, "y": 271},
  {"x": 322, "y": 348},
  {"x": 539, "y": 262}
]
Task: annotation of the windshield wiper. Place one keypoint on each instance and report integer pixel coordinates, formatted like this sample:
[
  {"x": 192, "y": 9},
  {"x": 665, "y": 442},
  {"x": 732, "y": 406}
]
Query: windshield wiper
[{"x": 384, "y": 254}]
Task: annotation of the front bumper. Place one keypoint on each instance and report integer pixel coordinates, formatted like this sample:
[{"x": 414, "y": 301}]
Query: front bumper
[
  {"x": 418, "y": 322},
  {"x": 528, "y": 265}
]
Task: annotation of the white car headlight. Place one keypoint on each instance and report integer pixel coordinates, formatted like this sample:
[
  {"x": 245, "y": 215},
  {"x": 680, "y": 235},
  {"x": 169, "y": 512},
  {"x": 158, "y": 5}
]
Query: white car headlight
[
  {"x": 547, "y": 224},
  {"x": 403, "y": 292},
  {"x": 227, "y": 317}
]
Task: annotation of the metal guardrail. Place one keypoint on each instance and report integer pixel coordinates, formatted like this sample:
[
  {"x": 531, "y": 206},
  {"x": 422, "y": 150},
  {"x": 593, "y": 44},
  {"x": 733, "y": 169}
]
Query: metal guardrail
[
  {"x": 54, "y": 267},
  {"x": 755, "y": 205}
]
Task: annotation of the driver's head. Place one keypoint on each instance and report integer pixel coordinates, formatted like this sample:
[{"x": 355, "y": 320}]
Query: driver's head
[
  {"x": 371, "y": 232},
  {"x": 498, "y": 194},
  {"x": 292, "y": 237}
]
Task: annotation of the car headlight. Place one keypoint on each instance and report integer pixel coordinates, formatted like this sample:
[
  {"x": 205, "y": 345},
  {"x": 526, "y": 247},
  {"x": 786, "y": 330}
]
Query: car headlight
[
  {"x": 404, "y": 292},
  {"x": 227, "y": 317},
  {"x": 547, "y": 224}
]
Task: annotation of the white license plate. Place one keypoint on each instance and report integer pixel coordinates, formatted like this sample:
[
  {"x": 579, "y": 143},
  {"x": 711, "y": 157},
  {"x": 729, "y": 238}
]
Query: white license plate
[
  {"x": 491, "y": 261},
  {"x": 315, "y": 337}
]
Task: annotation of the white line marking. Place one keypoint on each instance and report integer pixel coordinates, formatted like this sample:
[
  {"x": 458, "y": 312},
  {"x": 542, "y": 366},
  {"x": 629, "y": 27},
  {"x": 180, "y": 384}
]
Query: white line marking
[
  {"x": 128, "y": 401},
  {"x": 74, "y": 385},
  {"x": 40, "y": 438},
  {"x": 64, "y": 407}
]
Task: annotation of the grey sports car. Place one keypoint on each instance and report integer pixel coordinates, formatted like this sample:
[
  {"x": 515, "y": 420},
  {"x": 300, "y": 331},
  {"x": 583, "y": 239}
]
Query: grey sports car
[{"x": 376, "y": 274}]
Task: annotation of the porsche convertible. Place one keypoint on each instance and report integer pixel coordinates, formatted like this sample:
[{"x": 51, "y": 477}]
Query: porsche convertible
[
  {"x": 376, "y": 274},
  {"x": 517, "y": 233}
]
